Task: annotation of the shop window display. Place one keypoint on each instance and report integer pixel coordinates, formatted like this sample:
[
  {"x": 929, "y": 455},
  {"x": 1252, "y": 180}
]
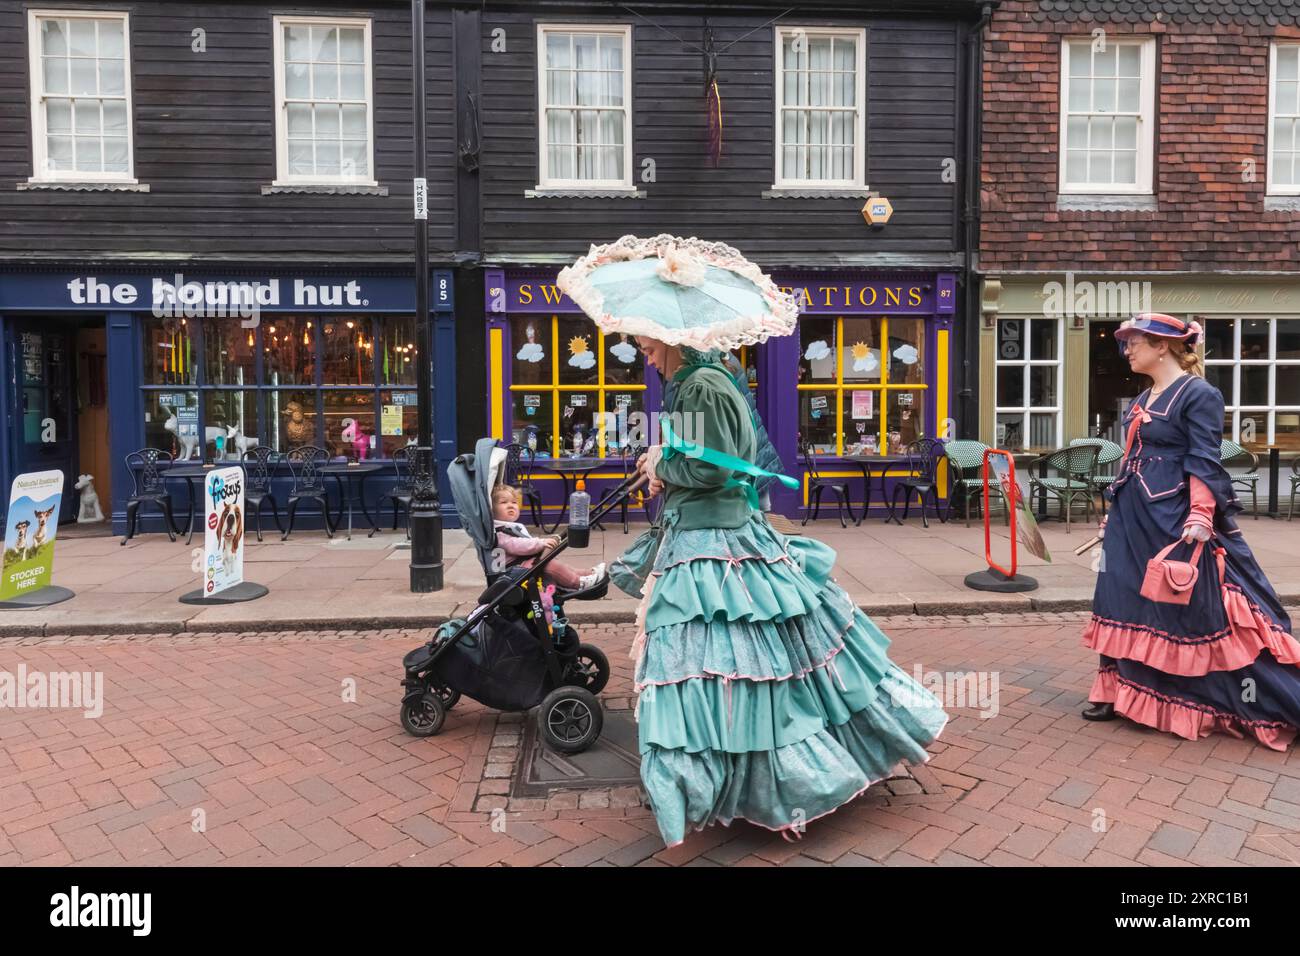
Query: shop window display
[
  {"x": 291, "y": 381},
  {"x": 861, "y": 386},
  {"x": 568, "y": 379}
]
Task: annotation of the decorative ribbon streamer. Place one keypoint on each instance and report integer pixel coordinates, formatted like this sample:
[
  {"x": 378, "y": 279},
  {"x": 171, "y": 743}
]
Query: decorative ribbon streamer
[{"x": 675, "y": 443}]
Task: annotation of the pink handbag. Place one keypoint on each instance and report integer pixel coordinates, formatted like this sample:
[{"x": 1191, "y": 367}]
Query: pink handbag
[{"x": 1169, "y": 581}]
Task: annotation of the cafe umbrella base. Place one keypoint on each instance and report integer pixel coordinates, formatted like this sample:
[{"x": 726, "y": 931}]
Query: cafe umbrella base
[
  {"x": 42, "y": 597},
  {"x": 237, "y": 594}
]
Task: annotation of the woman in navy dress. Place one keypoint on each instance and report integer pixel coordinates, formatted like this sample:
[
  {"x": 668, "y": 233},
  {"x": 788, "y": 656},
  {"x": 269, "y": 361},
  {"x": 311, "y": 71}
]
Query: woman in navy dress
[{"x": 1227, "y": 661}]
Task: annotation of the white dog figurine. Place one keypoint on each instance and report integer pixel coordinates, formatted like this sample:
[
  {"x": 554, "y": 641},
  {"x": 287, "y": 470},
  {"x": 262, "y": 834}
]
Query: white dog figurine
[
  {"x": 89, "y": 512},
  {"x": 189, "y": 443}
]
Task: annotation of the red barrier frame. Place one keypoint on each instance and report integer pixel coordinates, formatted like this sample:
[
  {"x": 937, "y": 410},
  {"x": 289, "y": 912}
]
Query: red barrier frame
[{"x": 1011, "y": 496}]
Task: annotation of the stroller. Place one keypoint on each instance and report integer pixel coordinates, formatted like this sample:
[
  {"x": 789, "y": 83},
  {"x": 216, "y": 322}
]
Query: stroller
[{"x": 509, "y": 654}]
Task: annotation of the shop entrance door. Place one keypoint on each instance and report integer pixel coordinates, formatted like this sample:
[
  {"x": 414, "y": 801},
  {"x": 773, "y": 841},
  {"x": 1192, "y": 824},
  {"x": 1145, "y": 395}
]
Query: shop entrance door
[
  {"x": 1111, "y": 383},
  {"x": 44, "y": 428}
]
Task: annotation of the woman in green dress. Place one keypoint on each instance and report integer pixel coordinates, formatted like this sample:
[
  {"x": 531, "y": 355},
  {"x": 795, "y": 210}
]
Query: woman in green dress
[{"x": 764, "y": 694}]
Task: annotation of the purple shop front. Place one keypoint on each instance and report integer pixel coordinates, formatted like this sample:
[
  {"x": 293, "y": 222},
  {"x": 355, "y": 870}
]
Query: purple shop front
[{"x": 867, "y": 371}]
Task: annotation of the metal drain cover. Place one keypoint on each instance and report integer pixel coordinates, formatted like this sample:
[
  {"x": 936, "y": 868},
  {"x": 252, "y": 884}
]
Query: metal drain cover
[{"x": 612, "y": 761}]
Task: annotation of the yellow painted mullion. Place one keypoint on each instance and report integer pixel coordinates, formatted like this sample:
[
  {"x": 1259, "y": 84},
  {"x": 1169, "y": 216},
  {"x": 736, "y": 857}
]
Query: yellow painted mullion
[
  {"x": 555, "y": 381},
  {"x": 884, "y": 384},
  {"x": 839, "y": 385}
]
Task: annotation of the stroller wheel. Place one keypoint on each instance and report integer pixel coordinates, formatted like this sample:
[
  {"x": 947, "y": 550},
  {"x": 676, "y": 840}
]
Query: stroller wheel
[
  {"x": 570, "y": 719},
  {"x": 423, "y": 717},
  {"x": 448, "y": 696},
  {"x": 590, "y": 668}
]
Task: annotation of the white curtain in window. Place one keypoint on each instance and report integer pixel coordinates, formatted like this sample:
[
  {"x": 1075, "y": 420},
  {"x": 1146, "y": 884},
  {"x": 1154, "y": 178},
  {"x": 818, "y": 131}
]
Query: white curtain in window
[
  {"x": 819, "y": 108},
  {"x": 585, "y": 113}
]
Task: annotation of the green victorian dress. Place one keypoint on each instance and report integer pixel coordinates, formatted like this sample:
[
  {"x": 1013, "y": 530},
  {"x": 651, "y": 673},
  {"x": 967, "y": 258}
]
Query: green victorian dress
[{"x": 764, "y": 694}]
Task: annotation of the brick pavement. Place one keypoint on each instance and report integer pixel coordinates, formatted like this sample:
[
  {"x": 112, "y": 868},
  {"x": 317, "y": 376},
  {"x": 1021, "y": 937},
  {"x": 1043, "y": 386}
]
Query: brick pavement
[{"x": 284, "y": 749}]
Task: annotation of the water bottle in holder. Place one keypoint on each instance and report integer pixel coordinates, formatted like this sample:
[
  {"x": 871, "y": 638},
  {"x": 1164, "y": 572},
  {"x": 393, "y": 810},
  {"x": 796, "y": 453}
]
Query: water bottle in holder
[{"x": 579, "y": 516}]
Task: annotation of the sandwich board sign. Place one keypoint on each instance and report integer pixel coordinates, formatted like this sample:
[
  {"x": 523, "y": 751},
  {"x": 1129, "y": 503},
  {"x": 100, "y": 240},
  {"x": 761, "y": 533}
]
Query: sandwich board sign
[
  {"x": 223, "y": 530},
  {"x": 31, "y": 526}
]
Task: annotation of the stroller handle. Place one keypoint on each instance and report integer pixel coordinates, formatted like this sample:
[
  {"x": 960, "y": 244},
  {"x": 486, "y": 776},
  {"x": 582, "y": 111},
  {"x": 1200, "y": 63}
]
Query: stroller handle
[
  {"x": 615, "y": 498},
  {"x": 612, "y": 500}
]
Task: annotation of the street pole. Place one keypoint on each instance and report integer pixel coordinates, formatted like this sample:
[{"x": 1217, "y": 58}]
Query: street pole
[{"x": 425, "y": 510}]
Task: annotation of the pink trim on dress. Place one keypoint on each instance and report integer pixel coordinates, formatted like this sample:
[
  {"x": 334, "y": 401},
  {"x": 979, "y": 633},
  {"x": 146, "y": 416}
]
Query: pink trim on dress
[
  {"x": 1185, "y": 718},
  {"x": 1249, "y": 631},
  {"x": 793, "y": 675}
]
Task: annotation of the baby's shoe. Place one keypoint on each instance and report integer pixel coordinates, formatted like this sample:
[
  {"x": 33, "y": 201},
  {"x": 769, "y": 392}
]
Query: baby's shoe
[{"x": 598, "y": 574}]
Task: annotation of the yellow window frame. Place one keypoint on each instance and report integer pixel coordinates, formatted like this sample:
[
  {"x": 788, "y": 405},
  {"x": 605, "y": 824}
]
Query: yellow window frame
[
  {"x": 839, "y": 386},
  {"x": 555, "y": 388}
]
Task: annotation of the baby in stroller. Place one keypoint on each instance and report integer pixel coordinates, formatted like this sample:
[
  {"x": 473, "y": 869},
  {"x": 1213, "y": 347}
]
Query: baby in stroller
[{"x": 519, "y": 547}]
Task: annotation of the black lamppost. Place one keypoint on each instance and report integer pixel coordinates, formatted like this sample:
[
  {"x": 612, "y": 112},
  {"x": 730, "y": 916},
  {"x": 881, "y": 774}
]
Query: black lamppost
[{"x": 425, "y": 511}]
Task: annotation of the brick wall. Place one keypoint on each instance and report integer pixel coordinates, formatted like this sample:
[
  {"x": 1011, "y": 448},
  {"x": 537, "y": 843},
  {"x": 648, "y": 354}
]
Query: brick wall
[{"x": 1211, "y": 113}]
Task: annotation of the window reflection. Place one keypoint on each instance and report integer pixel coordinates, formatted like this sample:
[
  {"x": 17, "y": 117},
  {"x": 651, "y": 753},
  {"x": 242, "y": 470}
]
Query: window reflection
[
  {"x": 229, "y": 352},
  {"x": 289, "y": 350},
  {"x": 349, "y": 351},
  {"x": 169, "y": 353}
]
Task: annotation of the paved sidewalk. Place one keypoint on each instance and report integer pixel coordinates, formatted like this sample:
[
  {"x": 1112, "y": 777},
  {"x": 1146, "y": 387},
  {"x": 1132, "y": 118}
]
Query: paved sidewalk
[
  {"x": 364, "y": 583},
  {"x": 227, "y": 749}
]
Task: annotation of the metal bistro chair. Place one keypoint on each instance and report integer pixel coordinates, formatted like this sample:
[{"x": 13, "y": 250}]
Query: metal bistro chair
[
  {"x": 257, "y": 463},
  {"x": 308, "y": 483},
  {"x": 817, "y": 485},
  {"x": 1295, "y": 486},
  {"x": 401, "y": 493},
  {"x": 519, "y": 475},
  {"x": 1076, "y": 467},
  {"x": 966, "y": 455},
  {"x": 629, "y": 455},
  {"x": 147, "y": 468},
  {"x": 1248, "y": 480},
  {"x": 922, "y": 458},
  {"x": 1108, "y": 456}
]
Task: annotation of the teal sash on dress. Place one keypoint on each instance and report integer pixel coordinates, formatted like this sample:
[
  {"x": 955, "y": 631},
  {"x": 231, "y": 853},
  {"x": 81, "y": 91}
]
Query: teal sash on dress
[{"x": 674, "y": 443}]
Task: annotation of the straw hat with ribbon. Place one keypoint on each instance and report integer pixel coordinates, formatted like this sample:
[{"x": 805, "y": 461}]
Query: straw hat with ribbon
[{"x": 689, "y": 292}]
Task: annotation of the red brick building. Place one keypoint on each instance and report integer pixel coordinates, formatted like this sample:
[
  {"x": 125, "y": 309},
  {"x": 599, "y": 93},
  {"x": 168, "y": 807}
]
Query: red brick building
[{"x": 1138, "y": 155}]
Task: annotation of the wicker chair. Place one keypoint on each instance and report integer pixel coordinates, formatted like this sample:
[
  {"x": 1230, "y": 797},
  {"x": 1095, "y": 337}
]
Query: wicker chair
[
  {"x": 1076, "y": 469},
  {"x": 1109, "y": 455},
  {"x": 966, "y": 475},
  {"x": 1230, "y": 453}
]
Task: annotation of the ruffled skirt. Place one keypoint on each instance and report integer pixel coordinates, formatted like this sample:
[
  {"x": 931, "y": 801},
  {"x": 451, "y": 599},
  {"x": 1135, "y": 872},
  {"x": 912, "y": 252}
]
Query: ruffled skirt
[
  {"x": 764, "y": 694},
  {"x": 1226, "y": 662}
]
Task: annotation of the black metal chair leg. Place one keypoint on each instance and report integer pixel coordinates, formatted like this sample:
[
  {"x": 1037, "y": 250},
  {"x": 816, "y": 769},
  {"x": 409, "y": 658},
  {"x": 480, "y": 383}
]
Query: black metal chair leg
[
  {"x": 131, "y": 509},
  {"x": 292, "y": 507},
  {"x": 325, "y": 512},
  {"x": 167, "y": 514},
  {"x": 839, "y": 509},
  {"x": 257, "y": 518}
]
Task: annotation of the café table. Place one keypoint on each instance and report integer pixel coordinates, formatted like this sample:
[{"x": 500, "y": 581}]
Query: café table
[
  {"x": 868, "y": 464},
  {"x": 577, "y": 468},
  {"x": 191, "y": 472},
  {"x": 345, "y": 473}
]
